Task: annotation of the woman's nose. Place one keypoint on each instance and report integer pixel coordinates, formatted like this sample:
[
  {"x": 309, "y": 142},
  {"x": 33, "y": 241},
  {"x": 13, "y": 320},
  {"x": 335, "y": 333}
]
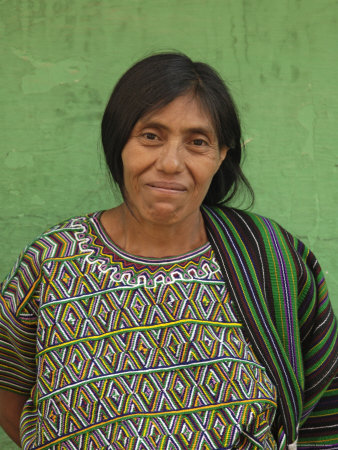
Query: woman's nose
[{"x": 170, "y": 158}]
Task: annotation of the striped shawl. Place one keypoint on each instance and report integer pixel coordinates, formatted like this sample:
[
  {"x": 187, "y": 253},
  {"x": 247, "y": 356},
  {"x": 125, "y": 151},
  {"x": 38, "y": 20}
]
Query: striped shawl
[{"x": 281, "y": 296}]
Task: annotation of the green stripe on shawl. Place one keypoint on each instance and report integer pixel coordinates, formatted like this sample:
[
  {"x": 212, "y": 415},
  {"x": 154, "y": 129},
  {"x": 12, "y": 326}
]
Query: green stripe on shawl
[{"x": 263, "y": 309}]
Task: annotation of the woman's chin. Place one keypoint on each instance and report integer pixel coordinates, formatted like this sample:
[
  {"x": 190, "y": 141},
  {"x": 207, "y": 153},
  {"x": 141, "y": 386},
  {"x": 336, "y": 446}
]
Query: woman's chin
[{"x": 166, "y": 215}]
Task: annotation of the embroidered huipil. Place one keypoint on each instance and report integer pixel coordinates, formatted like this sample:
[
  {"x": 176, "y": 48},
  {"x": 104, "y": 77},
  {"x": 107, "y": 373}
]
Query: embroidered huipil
[{"x": 131, "y": 352}]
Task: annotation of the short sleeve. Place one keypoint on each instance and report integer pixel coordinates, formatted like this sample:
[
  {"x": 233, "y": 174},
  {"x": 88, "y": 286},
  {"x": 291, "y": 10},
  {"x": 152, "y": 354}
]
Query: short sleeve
[{"x": 19, "y": 298}]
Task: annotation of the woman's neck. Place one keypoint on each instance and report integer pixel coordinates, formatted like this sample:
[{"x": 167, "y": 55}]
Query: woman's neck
[{"x": 154, "y": 240}]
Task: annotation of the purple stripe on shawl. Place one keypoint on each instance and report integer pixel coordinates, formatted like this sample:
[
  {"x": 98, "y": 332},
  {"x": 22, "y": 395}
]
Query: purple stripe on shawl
[
  {"x": 286, "y": 295},
  {"x": 263, "y": 323}
]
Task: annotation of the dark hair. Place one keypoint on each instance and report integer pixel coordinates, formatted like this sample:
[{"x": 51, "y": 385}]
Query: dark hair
[{"x": 154, "y": 82}]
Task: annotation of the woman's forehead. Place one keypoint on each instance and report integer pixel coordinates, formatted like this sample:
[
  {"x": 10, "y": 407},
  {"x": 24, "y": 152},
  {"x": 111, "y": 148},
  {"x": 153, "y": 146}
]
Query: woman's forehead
[{"x": 186, "y": 101}]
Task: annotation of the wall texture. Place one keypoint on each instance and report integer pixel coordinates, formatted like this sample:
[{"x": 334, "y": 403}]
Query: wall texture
[{"x": 61, "y": 58}]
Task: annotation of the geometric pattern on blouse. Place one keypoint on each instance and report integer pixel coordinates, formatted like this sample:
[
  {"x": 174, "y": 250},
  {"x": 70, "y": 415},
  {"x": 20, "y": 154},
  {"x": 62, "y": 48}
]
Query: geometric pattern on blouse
[{"x": 138, "y": 353}]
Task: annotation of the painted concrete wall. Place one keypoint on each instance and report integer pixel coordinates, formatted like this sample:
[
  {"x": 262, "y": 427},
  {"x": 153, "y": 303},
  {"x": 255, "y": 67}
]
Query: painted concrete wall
[{"x": 61, "y": 58}]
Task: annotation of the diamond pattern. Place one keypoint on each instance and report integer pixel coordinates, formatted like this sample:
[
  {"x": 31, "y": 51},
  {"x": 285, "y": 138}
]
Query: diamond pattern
[{"x": 134, "y": 355}]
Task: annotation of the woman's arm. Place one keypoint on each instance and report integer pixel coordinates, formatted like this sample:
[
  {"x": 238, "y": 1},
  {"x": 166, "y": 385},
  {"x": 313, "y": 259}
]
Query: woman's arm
[
  {"x": 11, "y": 405},
  {"x": 323, "y": 421}
]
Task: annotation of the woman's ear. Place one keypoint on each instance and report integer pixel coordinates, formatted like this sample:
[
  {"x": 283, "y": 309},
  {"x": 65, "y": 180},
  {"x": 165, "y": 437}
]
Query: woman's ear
[{"x": 223, "y": 153}]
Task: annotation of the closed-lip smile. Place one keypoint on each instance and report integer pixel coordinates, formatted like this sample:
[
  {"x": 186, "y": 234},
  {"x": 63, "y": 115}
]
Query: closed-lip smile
[{"x": 167, "y": 186}]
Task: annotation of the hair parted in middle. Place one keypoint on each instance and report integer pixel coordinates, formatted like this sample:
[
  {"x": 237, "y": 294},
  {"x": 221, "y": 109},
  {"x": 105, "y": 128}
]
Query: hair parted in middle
[{"x": 153, "y": 83}]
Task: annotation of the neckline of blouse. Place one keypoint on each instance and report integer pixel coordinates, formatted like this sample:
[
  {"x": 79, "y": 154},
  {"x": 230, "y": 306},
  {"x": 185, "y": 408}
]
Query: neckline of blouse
[{"x": 112, "y": 246}]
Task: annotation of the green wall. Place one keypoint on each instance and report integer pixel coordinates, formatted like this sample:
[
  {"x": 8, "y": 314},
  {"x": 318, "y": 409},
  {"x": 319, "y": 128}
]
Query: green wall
[{"x": 61, "y": 58}]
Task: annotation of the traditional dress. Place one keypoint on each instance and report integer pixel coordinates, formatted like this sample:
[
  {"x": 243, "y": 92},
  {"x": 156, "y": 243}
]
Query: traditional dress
[{"x": 202, "y": 350}]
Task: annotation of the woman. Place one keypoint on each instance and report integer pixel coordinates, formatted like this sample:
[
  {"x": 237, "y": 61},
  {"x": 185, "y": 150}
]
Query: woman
[{"x": 170, "y": 321}]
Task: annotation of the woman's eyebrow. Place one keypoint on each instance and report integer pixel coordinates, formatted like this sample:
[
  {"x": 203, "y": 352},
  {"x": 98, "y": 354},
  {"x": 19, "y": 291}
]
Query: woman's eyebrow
[
  {"x": 153, "y": 124},
  {"x": 207, "y": 131}
]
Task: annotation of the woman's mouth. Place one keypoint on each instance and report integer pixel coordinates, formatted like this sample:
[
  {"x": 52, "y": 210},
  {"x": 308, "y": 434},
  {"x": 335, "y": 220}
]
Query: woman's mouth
[{"x": 167, "y": 186}]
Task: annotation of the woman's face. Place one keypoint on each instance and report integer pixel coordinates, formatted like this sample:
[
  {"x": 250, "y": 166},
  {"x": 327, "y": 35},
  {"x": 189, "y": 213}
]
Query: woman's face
[{"x": 169, "y": 161}]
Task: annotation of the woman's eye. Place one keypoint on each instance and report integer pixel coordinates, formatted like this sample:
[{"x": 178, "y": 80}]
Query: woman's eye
[
  {"x": 199, "y": 142},
  {"x": 150, "y": 136}
]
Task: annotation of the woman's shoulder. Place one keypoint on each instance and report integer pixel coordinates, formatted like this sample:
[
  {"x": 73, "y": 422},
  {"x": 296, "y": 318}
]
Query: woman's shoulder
[
  {"x": 64, "y": 239},
  {"x": 249, "y": 229},
  {"x": 238, "y": 218},
  {"x": 72, "y": 224},
  {"x": 65, "y": 234}
]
